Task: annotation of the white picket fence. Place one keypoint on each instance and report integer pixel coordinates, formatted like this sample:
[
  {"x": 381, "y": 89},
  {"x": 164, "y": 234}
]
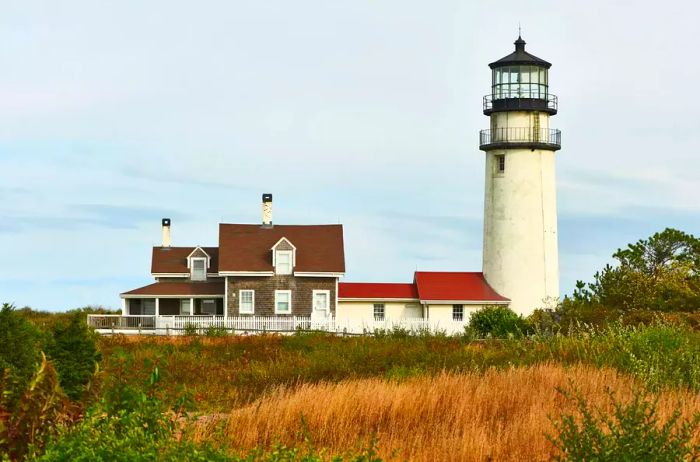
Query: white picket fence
[{"x": 173, "y": 325}]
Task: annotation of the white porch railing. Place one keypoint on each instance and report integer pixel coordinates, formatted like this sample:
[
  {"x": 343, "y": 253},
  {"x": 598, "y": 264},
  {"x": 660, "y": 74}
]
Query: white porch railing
[
  {"x": 180, "y": 324},
  {"x": 118, "y": 321}
]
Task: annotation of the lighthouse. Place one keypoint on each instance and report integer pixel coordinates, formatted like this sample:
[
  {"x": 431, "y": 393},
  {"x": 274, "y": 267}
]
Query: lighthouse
[{"x": 521, "y": 257}]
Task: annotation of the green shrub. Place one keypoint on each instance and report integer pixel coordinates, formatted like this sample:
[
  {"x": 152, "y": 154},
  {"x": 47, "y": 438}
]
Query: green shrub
[
  {"x": 216, "y": 331},
  {"x": 132, "y": 424},
  {"x": 28, "y": 420},
  {"x": 190, "y": 330},
  {"x": 497, "y": 322},
  {"x": 127, "y": 425},
  {"x": 20, "y": 348},
  {"x": 632, "y": 432},
  {"x": 72, "y": 347}
]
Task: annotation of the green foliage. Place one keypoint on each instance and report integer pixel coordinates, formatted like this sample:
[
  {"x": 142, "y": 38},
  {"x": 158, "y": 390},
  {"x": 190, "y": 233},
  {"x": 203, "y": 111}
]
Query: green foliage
[
  {"x": 136, "y": 426},
  {"x": 132, "y": 424},
  {"x": 72, "y": 347},
  {"x": 20, "y": 347},
  {"x": 659, "y": 273},
  {"x": 631, "y": 432},
  {"x": 216, "y": 331},
  {"x": 190, "y": 330},
  {"x": 46, "y": 320},
  {"x": 497, "y": 322},
  {"x": 29, "y": 421},
  {"x": 307, "y": 452}
]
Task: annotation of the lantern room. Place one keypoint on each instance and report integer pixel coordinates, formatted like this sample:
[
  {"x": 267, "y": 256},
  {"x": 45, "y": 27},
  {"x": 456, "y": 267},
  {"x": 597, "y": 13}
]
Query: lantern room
[{"x": 520, "y": 81}]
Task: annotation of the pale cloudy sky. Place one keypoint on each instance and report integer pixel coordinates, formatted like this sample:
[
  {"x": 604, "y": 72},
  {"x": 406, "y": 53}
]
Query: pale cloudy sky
[{"x": 114, "y": 114}]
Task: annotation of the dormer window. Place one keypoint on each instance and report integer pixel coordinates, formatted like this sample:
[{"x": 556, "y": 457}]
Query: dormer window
[
  {"x": 198, "y": 261},
  {"x": 283, "y": 260},
  {"x": 284, "y": 256},
  {"x": 199, "y": 269}
]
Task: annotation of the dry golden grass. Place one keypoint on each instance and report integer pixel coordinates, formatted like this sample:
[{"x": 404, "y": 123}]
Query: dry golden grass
[{"x": 498, "y": 415}]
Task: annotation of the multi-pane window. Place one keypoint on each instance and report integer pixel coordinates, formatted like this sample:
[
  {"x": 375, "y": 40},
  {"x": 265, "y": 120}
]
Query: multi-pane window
[
  {"x": 458, "y": 312},
  {"x": 500, "y": 163},
  {"x": 283, "y": 262},
  {"x": 283, "y": 301},
  {"x": 199, "y": 269},
  {"x": 246, "y": 302},
  {"x": 520, "y": 82},
  {"x": 379, "y": 312}
]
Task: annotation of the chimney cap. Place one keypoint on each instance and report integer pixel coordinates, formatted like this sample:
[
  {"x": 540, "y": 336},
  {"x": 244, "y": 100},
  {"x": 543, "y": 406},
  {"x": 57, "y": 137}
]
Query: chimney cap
[
  {"x": 166, "y": 221},
  {"x": 267, "y": 197}
]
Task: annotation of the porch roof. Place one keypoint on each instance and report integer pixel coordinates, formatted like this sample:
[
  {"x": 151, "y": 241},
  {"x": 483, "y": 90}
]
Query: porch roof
[{"x": 178, "y": 288}]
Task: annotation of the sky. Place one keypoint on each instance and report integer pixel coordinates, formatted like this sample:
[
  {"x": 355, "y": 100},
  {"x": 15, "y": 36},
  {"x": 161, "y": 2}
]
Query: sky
[{"x": 115, "y": 114}]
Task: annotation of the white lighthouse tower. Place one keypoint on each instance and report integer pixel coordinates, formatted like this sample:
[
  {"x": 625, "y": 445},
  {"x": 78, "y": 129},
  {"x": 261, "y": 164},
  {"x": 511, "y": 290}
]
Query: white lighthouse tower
[{"x": 521, "y": 258}]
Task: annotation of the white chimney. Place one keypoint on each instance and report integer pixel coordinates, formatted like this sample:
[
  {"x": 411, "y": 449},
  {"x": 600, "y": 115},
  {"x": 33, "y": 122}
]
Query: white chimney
[
  {"x": 166, "y": 232},
  {"x": 267, "y": 210}
]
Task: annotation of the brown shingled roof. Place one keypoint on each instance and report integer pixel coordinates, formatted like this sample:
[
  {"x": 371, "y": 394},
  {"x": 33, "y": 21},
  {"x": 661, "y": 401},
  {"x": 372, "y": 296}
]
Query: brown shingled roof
[
  {"x": 319, "y": 248},
  {"x": 174, "y": 259},
  {"x": 180, "y": 288}
]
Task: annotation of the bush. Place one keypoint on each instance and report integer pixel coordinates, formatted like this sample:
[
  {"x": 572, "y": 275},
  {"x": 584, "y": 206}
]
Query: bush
[
  {"x": 631, "y": 432},
  {"x": 190, "y": 330},
  {"x": 136, "y": 426},
  {"x": 20, "y": 347},
  {"x": 216, "y": 331},
  {"x": 73, "y": 349},
  {"x": 497, "y": 322},
  {"x": 28, "y": 421}
]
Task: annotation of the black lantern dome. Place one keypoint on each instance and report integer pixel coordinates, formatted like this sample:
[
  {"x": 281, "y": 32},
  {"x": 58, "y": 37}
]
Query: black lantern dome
[{"x": 520, "y": 81}]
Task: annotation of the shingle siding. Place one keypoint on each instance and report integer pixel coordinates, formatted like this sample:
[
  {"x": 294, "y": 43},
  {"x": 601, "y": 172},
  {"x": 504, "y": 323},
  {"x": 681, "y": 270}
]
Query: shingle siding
[{"x": 265, "y": 286}]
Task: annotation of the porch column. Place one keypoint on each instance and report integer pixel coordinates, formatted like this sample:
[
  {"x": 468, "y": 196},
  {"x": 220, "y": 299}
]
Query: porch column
[
  {"x": 191, "y": 306},
  {"x": 225, "y": 298},
  {"x": 157, "y": 306},
  {"x": 125, "y": 307}
]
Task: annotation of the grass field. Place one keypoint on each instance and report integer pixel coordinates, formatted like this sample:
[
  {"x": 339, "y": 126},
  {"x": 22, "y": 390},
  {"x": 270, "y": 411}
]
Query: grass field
[
  {"x": 224, "y": 373},
  {"x": 315, "y": 397},
  {"x": 496, "y": 415},
  {"x": 423, "y": 398}
]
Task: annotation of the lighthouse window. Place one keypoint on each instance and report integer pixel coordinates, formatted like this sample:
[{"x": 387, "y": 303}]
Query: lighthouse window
[
  {"x": 500, "y": 163},
  {"x": 519, "y": 82}
]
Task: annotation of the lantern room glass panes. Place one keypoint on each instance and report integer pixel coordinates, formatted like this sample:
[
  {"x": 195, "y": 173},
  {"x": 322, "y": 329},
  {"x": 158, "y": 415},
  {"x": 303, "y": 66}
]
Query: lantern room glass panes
[{"x": 519, "y": 82}]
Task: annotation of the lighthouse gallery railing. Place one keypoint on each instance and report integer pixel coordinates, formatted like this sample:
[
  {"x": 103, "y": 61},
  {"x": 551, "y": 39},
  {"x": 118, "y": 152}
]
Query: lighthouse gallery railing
[{"x": 520, "y": 136}]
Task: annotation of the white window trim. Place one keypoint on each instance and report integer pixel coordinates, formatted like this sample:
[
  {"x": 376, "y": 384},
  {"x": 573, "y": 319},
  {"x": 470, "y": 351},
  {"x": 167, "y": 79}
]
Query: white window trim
[
  {"x": 190, "y": 257},
  {"x": 203, "y": 259},
  {"x": 291, "y": 261},
  {"x": 189, "y": 306},
  {"x": 294, "y": 250},
  {"x": 328, "y": 298},
  {"x": 374, "y": 308},
  {"x": 277, "y": 293},
  {"x": 240, "y": 301},
  {"x": 454, "y": 309}
]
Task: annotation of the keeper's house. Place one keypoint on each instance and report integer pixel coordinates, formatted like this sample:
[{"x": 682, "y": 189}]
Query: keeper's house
[{"x": 291, "y": 272}]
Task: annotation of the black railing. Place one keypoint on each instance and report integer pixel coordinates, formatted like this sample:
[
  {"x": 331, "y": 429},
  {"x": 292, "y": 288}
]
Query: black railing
[
  {"x": 514, "y": 101},
  {"x": 535, "y": 138}
]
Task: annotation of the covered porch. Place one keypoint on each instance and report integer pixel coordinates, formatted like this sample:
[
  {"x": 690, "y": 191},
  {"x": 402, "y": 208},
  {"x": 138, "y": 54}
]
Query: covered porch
[{"x": 175, "y": 299}]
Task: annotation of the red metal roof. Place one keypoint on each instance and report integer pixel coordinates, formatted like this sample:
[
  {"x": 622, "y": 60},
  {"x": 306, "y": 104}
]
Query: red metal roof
[
  {"x": 180, "y": 288},
  {"x": 375, "y": 290},
  {"x": 455, "y": 286}
]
